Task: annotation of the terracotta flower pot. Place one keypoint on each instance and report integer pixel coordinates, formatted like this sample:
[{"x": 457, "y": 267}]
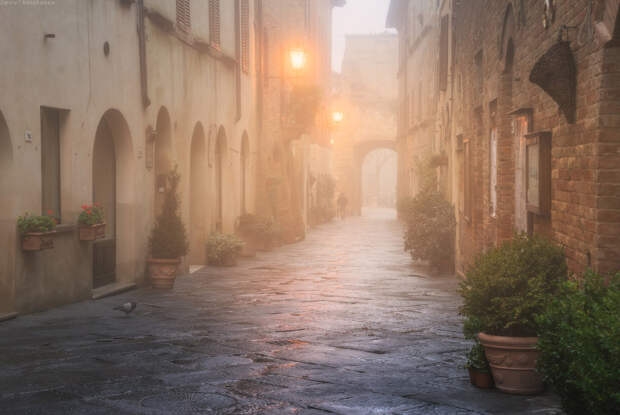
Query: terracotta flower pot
[
  {"x": 163, "y": 272},
  {"x": 92, "y": 232},
  {"x": 480, "y": 379},
  {"x": 513, "y": 363},
  {"x": 37, "y": 241}
]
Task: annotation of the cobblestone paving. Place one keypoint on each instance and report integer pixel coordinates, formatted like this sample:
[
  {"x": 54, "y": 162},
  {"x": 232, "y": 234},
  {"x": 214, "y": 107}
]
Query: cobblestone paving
[{"x": 339, "y": 323}]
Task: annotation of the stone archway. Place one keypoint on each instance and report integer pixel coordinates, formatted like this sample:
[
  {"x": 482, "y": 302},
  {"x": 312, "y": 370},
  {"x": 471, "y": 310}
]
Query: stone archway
[
  {"x": 163, "y": 158},
  {"x": 113, "y": 173},
  {"x": 361, "y": 150},
  {"x": 7, "y": 220},
  {"x": 197, "y": 197}
]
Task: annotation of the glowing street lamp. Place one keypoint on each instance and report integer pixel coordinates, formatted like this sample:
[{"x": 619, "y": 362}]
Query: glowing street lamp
[
  {"x": 298, "y": 59},
  {"x": 337, "y": 116}
]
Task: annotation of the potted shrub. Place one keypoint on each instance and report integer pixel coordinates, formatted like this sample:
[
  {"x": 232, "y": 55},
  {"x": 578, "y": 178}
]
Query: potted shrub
[
  {"x": 478, "y": 367},
  {"x": 503, "y": 292},
  {"x": 37, "y": 231},
  {"x": 168, "y": 240},
  {"x": 223, "y": 249},
  {"x": 580, "y": 344},
  {"x": 91, "y": 222}
]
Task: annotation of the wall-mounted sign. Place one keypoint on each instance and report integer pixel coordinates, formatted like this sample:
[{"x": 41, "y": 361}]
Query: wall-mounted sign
[{"x": 28, "y": 136}]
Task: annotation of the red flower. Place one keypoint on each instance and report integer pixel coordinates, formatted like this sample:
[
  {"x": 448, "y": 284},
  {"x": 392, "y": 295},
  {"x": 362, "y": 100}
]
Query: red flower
[
  {"x": 84, "y": 207},
  {"x": 49, "y": 211},
  {"x": 89, "y": 212}
]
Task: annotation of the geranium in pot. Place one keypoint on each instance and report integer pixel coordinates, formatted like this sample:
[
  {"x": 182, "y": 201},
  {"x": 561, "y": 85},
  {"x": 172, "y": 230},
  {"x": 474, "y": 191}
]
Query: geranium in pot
[
  {"x": 504, "y": 291},
  {"x": 37, "y": 231},
  {"x": 223, "y": 249},
  {"x": 91, "y": 222},
  {"x": 168, "y": 240}
]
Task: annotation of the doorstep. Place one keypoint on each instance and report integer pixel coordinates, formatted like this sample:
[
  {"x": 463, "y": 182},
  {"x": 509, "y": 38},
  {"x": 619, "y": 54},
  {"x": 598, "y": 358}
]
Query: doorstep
[
  {"x": 8, "y": 316},
  {"x": 112, "y": 289}
]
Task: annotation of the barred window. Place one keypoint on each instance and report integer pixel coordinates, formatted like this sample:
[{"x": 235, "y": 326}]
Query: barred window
[
  {"x": 214, "y": 22},
  {"x": 183, "y": 15}
]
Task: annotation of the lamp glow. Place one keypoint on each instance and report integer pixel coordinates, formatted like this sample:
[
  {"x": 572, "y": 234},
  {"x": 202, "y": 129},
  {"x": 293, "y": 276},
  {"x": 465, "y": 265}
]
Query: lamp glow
[
  {"x": 298, "y": 59},
  {"x": 337, "y": 116}
]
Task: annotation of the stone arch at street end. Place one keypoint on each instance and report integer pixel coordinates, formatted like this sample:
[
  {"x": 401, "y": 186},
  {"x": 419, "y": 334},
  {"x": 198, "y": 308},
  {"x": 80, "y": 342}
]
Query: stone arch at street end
[
  {"x": 113, "y": 175},
  {"x": 361, "y": 150},
  {"x": 198, "y": 200},
  {"x": 8, "y": 240}
]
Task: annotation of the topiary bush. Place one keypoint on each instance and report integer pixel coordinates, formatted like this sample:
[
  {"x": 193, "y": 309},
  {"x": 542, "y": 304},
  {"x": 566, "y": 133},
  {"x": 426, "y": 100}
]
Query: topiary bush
[
  {"x": 580, "y": 345},
  {"x": 430, "y": 228},
  {"x": 508, "y": 286},
  {"x": 168, "y": 238}
]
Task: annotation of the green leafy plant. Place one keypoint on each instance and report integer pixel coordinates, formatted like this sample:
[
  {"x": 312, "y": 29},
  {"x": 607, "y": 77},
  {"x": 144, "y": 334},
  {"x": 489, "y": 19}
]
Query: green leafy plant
[
  {"x": 91, "y": 215},
  {"x": 476, "y": 359},
  {"x": 431, "y": 228},
  {"x": 580, "y": 344},
  {"x": 508, "y": 286},
  {"x": 30, "y": 223},
  {"x": 223, "y": 248},
  {"x": 168, "y": 238}
]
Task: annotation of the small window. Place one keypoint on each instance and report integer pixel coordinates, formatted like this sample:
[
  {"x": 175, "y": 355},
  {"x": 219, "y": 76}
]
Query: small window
[
  {"x": 443, "y": 53},
  {"x": 245, "y": 35},
  {"x": 214, "y": 23},
  {"x": 538, "y": 173},
  {"x": 467, "y": 180},
  {"x": 183, "y": 15},
  {"x": 51, "y": 120}
]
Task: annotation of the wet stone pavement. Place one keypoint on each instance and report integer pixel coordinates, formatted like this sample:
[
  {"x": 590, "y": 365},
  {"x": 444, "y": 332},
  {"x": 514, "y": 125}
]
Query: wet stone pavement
[{"x": 339, "y": 323}]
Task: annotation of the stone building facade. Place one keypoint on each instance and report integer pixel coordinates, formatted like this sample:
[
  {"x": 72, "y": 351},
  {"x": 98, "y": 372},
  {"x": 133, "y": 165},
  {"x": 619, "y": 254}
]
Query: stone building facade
[
  {"x": 100, "y": 100},
  {"x": 291, "y": 155},
  {"x": 365, "y": 92},
  {"x": 527, "y": 100}
]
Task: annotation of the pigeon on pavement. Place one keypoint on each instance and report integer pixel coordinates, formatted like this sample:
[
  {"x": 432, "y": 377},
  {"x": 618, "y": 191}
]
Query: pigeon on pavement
[{"x": 127, "y": 307}]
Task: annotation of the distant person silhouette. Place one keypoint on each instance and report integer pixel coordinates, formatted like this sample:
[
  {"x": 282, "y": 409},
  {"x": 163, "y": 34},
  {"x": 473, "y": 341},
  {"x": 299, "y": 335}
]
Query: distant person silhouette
[{"x": 342, "y": 205}]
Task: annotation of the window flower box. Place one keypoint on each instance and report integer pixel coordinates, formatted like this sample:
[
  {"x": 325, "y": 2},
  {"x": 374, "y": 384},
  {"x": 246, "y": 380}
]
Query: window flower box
[
  {"x": 37, "y": 231},
  {"x": 91, "y": 222}
]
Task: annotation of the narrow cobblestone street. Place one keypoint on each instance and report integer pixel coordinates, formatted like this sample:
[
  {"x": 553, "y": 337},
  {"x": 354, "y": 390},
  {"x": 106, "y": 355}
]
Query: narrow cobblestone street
[{"x": 339, "y": 323}]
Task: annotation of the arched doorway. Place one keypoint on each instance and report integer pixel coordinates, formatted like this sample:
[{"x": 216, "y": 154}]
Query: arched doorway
[
  {"x": 379, "y": 172},
  {"x": 197, "y": 198},
  {"x": 163, "y": 155},
  {"x": 244, "y": 161},
  {"x": 7, "y": 219},
  {"x": 113, "y": 178},
  {"x": 221, "y": 150}
]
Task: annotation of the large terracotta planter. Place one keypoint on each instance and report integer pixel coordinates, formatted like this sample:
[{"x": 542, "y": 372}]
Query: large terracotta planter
[
  {"x": 37, "y": 241},
  {"x": 92, "y": 232},
  {"x": 513, "y": 363},
  {"x": 163, "y": 272},
  {"x": 479, "y": 379}
]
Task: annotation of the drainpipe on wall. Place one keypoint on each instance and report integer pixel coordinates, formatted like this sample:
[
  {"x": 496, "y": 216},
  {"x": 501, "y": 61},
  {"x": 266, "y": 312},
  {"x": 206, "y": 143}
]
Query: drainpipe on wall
[{"x": 142, "y": 54}]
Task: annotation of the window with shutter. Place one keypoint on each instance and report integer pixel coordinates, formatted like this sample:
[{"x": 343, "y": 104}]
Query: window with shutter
[
  {"x": 214, "y": 22},
  {"x": 245, "y": 35},
  {"x": 183, "y": 15},
  {"x": 443, "y": 54}
]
